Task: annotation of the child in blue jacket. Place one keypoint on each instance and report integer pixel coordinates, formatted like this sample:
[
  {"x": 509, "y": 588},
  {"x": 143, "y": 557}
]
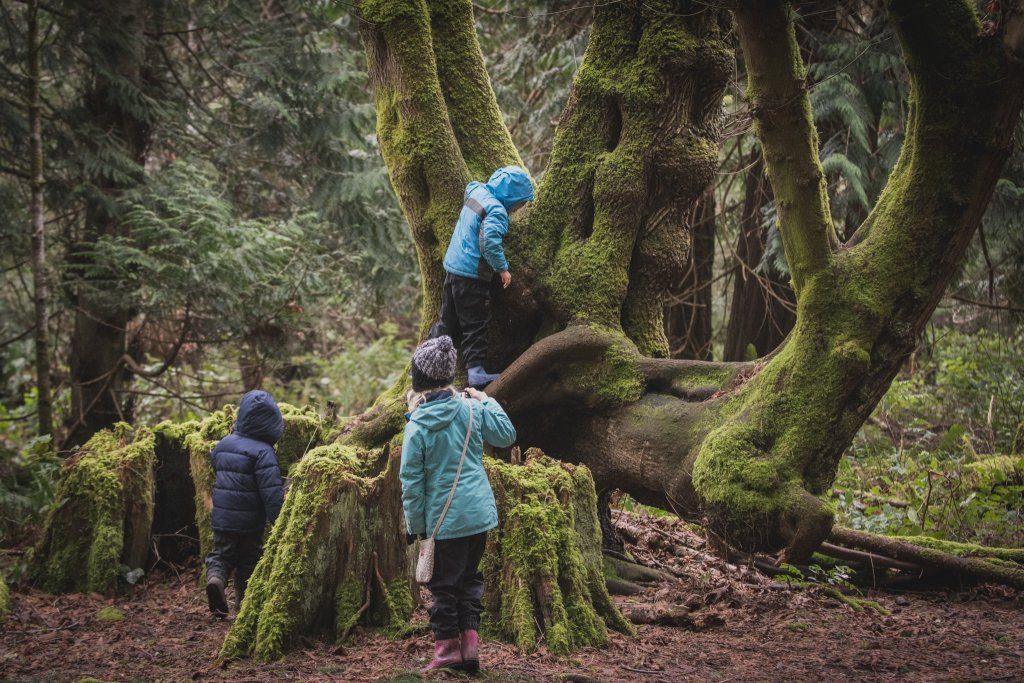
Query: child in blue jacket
[
  {"x": 474, "y": 255},
  {"x": 436, "y": 430},
  {"x": 247, "y": 494}
]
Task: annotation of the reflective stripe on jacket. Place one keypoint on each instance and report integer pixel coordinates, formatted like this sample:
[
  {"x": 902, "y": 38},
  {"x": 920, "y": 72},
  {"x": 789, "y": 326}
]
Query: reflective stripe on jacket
[{"x": 475, "y": 250}]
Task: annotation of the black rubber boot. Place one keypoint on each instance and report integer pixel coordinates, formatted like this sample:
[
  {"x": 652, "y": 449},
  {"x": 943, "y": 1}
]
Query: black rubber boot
[{"x": 215, "y": 596}]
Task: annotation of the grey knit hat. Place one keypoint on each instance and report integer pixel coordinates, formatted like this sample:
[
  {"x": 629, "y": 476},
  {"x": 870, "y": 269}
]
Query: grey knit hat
[{"x": 433, "y": 364}]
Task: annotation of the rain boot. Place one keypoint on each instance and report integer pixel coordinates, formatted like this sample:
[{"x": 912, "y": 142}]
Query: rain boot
[
  {"x": 447, "y": 655},
  {"x": 478, "y": 378},
  {"x": 215, "y": 596},
  {"x": 470, "y": 646}
]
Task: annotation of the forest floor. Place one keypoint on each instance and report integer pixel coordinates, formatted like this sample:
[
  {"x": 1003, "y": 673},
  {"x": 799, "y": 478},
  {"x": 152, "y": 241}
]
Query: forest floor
[{"x": 741, "y": 627}]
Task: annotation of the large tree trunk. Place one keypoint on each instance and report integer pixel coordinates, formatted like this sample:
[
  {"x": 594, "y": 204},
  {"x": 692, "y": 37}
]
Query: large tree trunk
[
  {"x": 744, "y": 447},
  {"x": 99, "y": 375},
  {"x": 763, "y": 309}
]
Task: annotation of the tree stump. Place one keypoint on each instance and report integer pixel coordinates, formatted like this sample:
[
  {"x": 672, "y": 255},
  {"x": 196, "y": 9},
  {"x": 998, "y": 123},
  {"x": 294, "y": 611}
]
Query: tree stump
[
  {"x": 335, "y": 558},
  {"x": 543, "y": 566},
  {"x": 104, "y": 514}
]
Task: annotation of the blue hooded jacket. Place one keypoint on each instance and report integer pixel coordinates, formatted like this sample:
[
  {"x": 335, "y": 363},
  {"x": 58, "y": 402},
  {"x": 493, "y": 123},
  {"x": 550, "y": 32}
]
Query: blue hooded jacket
[
  {"x": 475, "y": 249},
  {"x": 247, "y": 489},
  {"x": 431, "y": 449}
]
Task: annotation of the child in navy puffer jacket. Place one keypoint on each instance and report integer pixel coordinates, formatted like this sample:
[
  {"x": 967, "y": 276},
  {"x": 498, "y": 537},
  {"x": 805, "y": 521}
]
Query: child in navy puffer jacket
[{"x": 247, "y": 493}]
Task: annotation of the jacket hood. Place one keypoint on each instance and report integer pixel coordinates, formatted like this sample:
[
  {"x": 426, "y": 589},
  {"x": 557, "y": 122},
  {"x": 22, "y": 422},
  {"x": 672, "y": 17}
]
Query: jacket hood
[
  {"x": 436, "y": 415},
  {"x": 510, "y": 186},
  {"x": 259, "y": 417}
]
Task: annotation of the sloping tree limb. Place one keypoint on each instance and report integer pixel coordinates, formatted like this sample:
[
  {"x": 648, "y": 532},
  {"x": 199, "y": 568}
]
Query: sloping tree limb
[
  {"x": 781, "y": 107},
  {"x": 483, "y": 139}
]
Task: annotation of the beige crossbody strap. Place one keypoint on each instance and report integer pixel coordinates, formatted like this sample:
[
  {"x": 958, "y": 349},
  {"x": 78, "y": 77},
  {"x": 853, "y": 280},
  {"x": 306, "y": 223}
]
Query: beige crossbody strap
[{"x": 462, "y": 459}]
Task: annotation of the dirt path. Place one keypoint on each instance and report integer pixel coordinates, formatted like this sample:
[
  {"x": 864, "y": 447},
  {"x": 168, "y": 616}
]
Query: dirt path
[{"x": 768, "y": 634}]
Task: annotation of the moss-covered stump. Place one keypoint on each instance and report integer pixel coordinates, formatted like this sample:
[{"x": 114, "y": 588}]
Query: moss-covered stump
[
  {"x": 543, "y": 566},
  {"x": 303, "y": 431},
  {"x": 104, "y": 514},
  {"x": 335, "y": 558}
]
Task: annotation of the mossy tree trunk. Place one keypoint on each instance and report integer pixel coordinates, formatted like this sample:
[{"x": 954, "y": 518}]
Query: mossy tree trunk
[
  {"x": 127, "y": 499},
  {"x": 335, "y": 558},
  {"x": 746, "y": 447},
  {"x": 543, "y": 566}
]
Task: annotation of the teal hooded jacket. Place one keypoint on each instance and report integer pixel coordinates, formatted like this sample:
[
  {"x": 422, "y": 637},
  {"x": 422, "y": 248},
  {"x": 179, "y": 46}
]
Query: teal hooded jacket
[
  {"x": 475, "y": 250},
  {"x": 431, "y": 447}
]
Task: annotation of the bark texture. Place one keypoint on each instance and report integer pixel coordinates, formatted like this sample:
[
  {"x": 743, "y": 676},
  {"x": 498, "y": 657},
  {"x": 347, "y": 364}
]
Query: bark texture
[
  {"x": 745, "y": 447},
  {"x": 40, "y": 295},
  {"x": 103, "y": 515},
  {"x": 98, "y": 343},
  {"x": 543, "y": 566}
]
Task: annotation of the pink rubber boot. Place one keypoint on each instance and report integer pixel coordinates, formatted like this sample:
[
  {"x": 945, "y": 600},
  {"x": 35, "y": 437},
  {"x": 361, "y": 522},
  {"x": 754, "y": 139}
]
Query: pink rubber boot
[
  {"x": 447, "y": 655},
  {"x": 470, "y": 647}
]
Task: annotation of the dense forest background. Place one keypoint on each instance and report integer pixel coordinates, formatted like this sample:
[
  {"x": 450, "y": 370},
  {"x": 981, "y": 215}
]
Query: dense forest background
[{"x": 192, "y": 204}]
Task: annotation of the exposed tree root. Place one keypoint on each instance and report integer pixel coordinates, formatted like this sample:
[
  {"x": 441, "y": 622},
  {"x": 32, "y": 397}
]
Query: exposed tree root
[
  {"x": 662, "y": 615},
  {"x": 633, "y": 571}
]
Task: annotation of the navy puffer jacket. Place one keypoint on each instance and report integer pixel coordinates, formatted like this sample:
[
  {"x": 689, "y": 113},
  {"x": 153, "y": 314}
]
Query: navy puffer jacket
[{"x": 247, "y": 491}]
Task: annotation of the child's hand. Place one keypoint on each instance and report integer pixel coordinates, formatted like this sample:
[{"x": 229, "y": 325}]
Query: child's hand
[
  {"x": 476, "y": 393},
  {"x": 506, "y": 279}
]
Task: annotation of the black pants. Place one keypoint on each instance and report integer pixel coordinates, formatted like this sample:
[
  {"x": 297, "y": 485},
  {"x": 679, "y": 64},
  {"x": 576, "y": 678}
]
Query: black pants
[
  {"x": 465, "y": 317},
  {"x": 457, "y": 585},
  {"x": 238, "y": 552}
]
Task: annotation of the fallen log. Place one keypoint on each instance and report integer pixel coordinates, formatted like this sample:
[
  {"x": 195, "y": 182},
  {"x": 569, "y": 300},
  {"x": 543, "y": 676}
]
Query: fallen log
[{"x": 968, "y": 568}]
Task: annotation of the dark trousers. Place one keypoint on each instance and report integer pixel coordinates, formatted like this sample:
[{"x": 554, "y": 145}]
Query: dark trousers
[
  {"x": 465, "y": 317},
  {"x": 238, "y": 552},
  {"x": 457, "y": 585}
]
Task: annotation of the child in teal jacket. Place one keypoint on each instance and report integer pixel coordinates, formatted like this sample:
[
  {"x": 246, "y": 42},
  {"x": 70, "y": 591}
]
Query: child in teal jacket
[{"x": 431, "y": 449}]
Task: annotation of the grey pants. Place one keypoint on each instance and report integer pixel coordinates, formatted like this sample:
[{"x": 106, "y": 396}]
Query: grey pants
[{"x": 238, "y": 552}]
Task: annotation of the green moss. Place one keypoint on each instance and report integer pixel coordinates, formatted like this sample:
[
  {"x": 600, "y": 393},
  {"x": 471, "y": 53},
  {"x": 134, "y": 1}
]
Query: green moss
[
  {"x": 303, "y": 431},
  {"x": 858, "y": 604},
  {"x": 110, "y": 614},
  {"x": 349, "y": 599},
  {"x": 104, "y": 518},
  {"x": 543, "y": 565},
  {"x": 5, "y": 600},
  {"x": 965, "y": 549},
  {"x": 334, "y": 552},
  {"x": 617, "y": 379}
]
